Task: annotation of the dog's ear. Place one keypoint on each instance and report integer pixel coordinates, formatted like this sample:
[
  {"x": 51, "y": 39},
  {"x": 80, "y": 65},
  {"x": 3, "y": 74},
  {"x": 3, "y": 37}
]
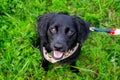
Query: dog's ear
[
  {"x": 82, "y": 29},
  {"x": 43, "y": 23}
]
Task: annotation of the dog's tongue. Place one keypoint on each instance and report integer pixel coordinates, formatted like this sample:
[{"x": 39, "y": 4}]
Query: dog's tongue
[{"x": 58, "y": 54}]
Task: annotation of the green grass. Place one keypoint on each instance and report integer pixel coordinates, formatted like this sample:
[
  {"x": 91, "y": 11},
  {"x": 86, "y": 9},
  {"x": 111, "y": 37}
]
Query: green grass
[{"x": 19, "y": 60}]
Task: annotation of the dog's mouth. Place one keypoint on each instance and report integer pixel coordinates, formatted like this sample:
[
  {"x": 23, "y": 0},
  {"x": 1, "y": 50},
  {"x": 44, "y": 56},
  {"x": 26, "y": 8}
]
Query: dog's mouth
[{"x": 57, "y": 55}]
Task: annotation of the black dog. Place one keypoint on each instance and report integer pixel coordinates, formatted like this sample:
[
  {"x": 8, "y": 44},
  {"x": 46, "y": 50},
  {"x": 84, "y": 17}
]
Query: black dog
[{"x": 61, "y": 36}]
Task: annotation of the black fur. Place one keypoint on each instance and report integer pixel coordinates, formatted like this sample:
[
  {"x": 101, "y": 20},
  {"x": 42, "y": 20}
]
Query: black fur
[{"x": 61, "y": 32}]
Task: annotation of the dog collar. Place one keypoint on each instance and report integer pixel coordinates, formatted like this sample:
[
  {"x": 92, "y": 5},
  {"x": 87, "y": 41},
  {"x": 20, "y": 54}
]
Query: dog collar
[{"x": 49, "y": 58}]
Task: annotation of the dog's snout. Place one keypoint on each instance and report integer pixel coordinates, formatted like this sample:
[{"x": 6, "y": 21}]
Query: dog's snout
[{"x": 58, "y": 46}]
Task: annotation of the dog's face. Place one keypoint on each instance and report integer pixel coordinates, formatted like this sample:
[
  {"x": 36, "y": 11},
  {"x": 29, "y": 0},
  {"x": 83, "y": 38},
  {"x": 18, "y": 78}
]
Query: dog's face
[
  {"x": 62, "y": 35},
  {"x": 61, "y": 32}
]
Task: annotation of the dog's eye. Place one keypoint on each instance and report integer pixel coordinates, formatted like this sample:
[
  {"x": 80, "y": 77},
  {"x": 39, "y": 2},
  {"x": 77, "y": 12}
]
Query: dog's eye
[
  {"x": 70, "y": 33},
  {"x": 53, "y": 30}
]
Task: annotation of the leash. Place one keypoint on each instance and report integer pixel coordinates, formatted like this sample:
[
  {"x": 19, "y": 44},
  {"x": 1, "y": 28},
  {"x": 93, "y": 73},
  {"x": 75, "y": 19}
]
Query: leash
[{"x": 113, "y": 31}]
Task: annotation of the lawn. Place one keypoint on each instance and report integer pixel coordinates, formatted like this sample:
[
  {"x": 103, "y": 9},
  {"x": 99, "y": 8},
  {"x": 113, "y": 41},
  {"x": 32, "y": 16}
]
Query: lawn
[{"x": 20, "y": 60}]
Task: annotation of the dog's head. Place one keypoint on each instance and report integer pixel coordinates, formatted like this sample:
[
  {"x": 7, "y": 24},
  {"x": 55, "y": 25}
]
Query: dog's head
[{"x": 61, "y": 33}]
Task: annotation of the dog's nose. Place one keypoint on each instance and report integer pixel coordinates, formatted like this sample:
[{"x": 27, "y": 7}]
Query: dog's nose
[{"x": 58, "y": 46}]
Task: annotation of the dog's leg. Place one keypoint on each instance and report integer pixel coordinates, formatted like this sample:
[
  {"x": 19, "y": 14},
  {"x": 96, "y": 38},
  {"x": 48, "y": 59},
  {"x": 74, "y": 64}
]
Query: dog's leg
[
  {"x": 72, "y": 68},
  {"x": 45, "y": 64}
]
